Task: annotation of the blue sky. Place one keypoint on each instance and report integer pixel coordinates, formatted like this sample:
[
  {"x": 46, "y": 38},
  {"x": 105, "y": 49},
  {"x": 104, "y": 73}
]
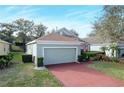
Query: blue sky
[{"x": 75, "y": 17}]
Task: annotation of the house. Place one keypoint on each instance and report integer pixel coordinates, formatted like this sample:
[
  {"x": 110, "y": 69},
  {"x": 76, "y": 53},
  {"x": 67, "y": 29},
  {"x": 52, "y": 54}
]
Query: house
[
  {"x": 96, "y": 43},
  {"x": 55, "y": 49},
  {"x": 4, "y": 47},
  {"x": 66, "y": 32}
]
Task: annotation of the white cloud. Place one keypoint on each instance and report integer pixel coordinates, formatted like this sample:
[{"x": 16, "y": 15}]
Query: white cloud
[{"x": 77, "y": 15}]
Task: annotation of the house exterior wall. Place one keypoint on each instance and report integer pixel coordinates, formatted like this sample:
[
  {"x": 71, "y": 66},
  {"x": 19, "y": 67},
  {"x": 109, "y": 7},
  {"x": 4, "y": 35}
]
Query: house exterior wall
[
  {"x": 41, "y": 49},
  {"x": 4, "y": 48},
  {"x": 95, "y": 47},
  {"x": 29, "y": 49},
  {"x": 121, "y": 46},
  {"x": 32, "y": 49},
  {"x": 37, "y": 50}
]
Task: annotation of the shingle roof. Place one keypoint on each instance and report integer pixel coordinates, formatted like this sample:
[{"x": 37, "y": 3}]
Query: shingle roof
[
  {"x": 1, "y": 41},
  {"x": 57, "y": 37},
  {"x": 98, "y": 40},
  {"x": 93, "y": 40}
]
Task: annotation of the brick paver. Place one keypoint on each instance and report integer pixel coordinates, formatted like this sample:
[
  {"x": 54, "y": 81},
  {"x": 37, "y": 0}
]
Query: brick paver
[{"x": 80, "y": 75}]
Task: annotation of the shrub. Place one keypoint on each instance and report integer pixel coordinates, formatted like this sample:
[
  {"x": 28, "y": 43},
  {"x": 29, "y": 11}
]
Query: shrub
[
  {"x": 2, "y": 56},
  {"x": 2, "y": 63},
  {"x": 27, "y": 58},
  {"x": 88, "y": 55},
  {"x": 8, "y": 59},
  {"x": 5, "y": 60},
  {"x": 115, "y": 59},
  {"x": 40, "y": 62},
  {"x": 80, "y": 58},
  {"x": 93, "y": 58}
]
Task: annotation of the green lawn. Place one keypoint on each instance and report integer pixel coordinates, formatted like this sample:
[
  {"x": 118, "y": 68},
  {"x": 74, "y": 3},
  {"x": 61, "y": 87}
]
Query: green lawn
[
  {"x": 111, "y": 69},
  {"x": 23, "y": 75},
  {"x": 17, "y": 56}
]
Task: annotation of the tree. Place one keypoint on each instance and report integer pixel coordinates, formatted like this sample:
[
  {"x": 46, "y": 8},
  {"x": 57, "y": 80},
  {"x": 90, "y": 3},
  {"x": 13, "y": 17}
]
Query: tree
[
  {"x": 6, "y": 31},
  {"x": 39, "y": 30},
  {"x": 114, "y": 49},
  {"x": 24, "y": 27},
  {"x": 110, "y": 26}
]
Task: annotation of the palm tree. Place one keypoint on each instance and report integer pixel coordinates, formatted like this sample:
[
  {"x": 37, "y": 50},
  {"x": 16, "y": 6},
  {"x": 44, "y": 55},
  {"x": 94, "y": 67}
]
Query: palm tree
[{"x": 114, "y": 49}]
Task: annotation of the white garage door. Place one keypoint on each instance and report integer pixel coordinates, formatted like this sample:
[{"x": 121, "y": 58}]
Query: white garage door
[{"x": 59, "y": 55}]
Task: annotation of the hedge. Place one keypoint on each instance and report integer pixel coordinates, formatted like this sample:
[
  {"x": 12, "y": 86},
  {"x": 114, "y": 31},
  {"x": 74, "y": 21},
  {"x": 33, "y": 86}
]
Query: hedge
[{"x": 86, "y": 56}]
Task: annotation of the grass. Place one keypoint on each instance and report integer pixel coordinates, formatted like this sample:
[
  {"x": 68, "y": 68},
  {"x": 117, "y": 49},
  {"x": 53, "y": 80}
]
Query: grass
[
  {"x": 111, "y": 69},
  {"x": 17, "y": 56},
  {"x": 23, "y": 75}
]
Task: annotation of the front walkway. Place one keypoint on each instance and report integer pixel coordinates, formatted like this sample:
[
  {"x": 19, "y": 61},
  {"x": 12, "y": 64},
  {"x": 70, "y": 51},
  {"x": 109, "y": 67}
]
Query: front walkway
[{"x": 79, "y": 75}]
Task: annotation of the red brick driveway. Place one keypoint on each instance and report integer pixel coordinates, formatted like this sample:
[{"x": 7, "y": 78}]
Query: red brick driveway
[{"x": 79, "y": 75}]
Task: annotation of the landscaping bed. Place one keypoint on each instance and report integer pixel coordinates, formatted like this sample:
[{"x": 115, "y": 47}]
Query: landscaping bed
[{"x": 90, "y": 56}]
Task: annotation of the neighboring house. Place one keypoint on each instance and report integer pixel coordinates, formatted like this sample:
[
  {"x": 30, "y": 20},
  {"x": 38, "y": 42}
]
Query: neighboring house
[
  {"x": 96, "y": 44},
  {"x": 4, "y": 47},
  {"x": 71, "y": 33},
  {"x": 66, "y": 32},
  {"x": 55, "y": 49}
]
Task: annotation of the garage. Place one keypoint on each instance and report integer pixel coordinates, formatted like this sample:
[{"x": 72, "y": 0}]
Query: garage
[
  {"x": 59, "y": 55},
  {"x": 55, "y": 49}
]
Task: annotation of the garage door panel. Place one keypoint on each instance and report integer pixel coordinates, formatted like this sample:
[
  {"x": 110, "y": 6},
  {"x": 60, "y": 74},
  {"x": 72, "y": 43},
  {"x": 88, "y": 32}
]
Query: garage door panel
[{"x": 59, "y": 55}]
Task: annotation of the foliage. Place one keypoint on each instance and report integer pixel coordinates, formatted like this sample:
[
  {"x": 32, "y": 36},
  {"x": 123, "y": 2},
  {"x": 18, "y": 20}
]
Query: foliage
[
  {"x": 25, "y": 31},
  {"x": 23, "y": 27},
  {"x": 9, "y": 57},
  {"x": 16, "y": 49},
  {"x": 40, "y": 62},
  {"x": 115, "y": 59},
  {"x": 80, "y": 58},
  {"x": 110, "y": 26},
  {"x": 17, "y": 57},
  {"x": 86, "y": 56},
  {"x": 39, "y": 30},
  {"x": 114, "y": 48},
  {"x": 83, "y": 58},
  {"x": 5, "y": 60},
  {"x": 2, "y": 63},
  {"x": 104, "y": 48},
  {"x": 6, "y": 31}
]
